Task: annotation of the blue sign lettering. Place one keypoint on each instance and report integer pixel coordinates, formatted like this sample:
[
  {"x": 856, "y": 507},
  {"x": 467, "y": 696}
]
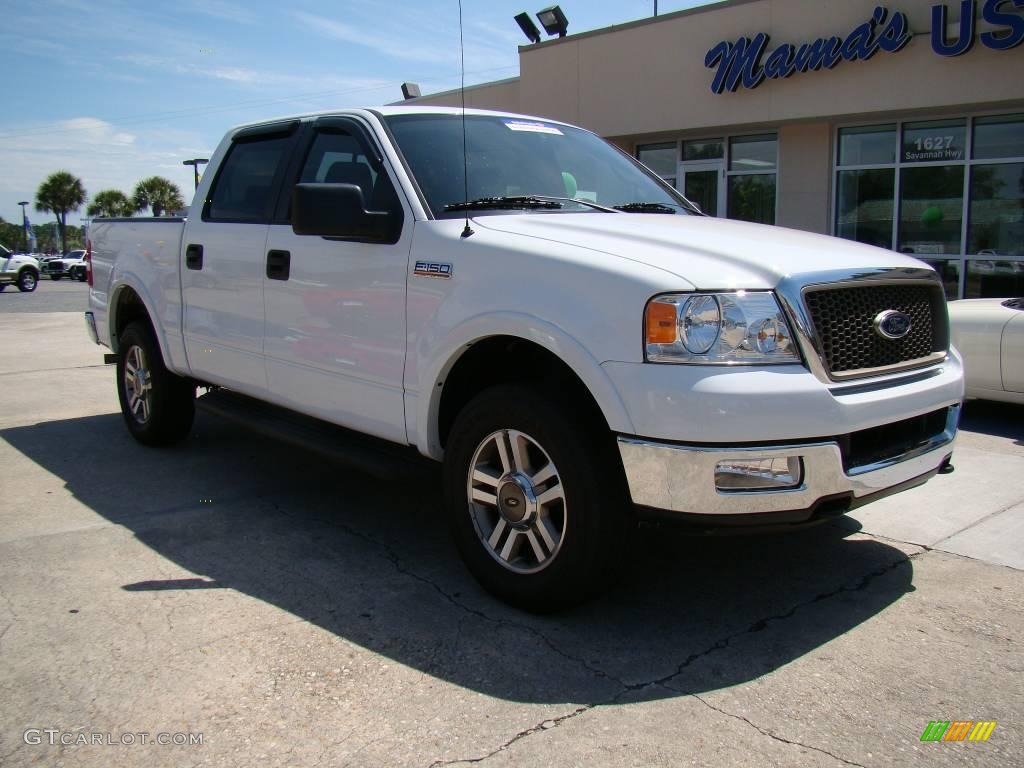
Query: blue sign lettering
[
  {"x": 741, "y": 61},
  {"x": 745, "y": 61},
  {"x": 965, "y": 40},
  {"x": 1004, "y": 40}
]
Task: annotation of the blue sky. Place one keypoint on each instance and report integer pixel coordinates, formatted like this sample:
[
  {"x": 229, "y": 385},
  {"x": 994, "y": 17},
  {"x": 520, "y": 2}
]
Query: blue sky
[{"x": 115, "y": 91}]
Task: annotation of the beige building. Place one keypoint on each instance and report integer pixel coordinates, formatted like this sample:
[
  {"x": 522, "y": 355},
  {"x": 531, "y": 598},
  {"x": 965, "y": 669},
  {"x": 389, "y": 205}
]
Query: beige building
[{"x": 898, "y": 124}]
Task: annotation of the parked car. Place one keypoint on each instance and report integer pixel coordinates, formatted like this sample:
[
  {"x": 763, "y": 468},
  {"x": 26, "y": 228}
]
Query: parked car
[
  {"x": 70, "y": 265},
  {"x": 18, "y": 269},
  {"x": 573, "y": 339},
  {"x": 990, "y": 335}
]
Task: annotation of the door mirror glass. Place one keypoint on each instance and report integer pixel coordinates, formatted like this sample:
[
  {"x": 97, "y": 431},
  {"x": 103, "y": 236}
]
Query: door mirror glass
[{"x": 338, "y": 210}]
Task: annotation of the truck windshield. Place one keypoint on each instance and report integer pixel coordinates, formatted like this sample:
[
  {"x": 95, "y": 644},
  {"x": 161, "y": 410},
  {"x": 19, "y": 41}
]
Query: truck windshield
[{"x": 516, "y": 159}]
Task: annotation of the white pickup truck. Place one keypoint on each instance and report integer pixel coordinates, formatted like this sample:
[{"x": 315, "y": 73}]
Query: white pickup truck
[{"x": 520, "y": 300}]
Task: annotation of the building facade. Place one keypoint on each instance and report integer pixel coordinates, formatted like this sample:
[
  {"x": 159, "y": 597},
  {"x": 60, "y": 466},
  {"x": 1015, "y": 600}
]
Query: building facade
[{"x": 900, "y": 125}]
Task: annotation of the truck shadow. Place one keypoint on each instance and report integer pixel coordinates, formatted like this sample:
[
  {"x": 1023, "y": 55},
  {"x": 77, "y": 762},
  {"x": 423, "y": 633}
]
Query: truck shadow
[
  {"x": 371, "y": 562},
  {"x": 994, "y": 418}
]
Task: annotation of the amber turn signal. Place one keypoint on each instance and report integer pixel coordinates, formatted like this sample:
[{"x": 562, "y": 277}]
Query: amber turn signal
[{"x": 661, "y": 323}]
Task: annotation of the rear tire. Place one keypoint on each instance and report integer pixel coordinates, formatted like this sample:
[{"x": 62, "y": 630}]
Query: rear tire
[
  {"x": 536, "y": 498},
  {"x": 158, "y": 406},
  {"x": 27, "y": 280}
]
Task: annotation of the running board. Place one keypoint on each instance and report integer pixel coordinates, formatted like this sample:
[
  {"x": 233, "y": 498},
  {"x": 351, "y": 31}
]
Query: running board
[{"x": 380, "y": 458}]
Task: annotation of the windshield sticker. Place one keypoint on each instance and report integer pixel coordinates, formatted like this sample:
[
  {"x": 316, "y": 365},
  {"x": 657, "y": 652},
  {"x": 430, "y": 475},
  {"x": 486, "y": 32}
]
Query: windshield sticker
[{"x": 520, "y": 125}]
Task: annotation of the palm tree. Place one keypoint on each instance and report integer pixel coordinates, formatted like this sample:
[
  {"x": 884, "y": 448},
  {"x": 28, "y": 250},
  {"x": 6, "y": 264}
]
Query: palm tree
[
  {"x": 60, "y": 193},
  {"x": 158, "y": 194},
  {"x": 110, "y": 203}
]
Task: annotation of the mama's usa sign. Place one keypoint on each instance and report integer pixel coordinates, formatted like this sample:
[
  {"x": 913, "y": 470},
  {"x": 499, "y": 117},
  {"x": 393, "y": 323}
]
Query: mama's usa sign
[{"x": 749, "y": 63}]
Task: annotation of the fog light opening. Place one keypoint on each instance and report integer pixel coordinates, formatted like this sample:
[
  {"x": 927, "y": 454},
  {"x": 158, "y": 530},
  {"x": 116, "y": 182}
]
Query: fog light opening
[{"x": 759, "y": 473}]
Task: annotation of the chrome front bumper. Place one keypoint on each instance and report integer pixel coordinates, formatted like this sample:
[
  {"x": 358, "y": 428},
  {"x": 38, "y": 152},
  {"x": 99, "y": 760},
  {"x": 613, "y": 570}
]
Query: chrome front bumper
[{"x": 681, "y": 478}]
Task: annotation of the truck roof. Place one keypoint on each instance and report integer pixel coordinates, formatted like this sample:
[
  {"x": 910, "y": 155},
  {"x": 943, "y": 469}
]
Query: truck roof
[{"x": 388, "y": 111}]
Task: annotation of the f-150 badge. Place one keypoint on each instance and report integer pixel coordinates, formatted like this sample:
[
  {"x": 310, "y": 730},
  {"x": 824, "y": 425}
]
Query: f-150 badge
[{"x": 433, "y": 269}]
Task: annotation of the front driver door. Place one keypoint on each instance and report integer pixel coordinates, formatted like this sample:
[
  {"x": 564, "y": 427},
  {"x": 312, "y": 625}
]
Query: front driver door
[{"x": 335, "y": 310}]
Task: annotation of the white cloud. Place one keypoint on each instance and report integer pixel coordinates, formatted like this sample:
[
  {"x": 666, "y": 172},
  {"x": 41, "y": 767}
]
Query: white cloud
[{"x": 99, "y": 153}]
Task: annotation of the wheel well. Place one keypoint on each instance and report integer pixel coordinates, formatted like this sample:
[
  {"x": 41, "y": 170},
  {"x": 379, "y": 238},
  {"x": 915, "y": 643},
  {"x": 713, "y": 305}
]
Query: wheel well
[
  {"x": 128, "y": 309},
  {"x": 505, "y": 360}
]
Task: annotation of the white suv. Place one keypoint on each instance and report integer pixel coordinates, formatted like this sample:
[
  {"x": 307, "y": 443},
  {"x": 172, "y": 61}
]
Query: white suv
[{"x": 18, "y": 269}]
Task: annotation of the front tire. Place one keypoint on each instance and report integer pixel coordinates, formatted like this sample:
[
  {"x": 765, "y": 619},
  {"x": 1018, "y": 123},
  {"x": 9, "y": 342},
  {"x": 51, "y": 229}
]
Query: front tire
[
  {"x": 536, "y": 498},
  {"x": 27, "y": 280},
  {"x": 158, "y": 406}
]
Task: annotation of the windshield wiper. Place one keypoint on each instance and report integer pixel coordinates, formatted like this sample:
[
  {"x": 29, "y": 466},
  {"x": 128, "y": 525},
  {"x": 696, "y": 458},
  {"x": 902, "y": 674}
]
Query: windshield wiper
[
  {"x": 578, "y": 201},
  {"x": 521, "y": 202},
  {"x": 645, "y": 208}
]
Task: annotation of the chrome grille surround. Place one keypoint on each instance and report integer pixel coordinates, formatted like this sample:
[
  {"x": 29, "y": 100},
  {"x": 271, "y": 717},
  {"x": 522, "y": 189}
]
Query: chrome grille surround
[{"x": 793, "y": 291}]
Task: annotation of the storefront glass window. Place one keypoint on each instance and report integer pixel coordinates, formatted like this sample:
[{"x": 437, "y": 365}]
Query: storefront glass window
[
  {"x": 998, "y": 137},
  {"x": 753, "y": 153},
  {"x": 949, "y": 271},
  {"x": 997, "y": 210},
  {"x": 865, "y": 205},
  {"x": 707, "y": 149},
  {"x": 935, "y": 141},
  {"x": 752, "y": 197},
  {"x": 702, "y": 189},
  {"x": 867, "y": 145},
  {"x": 993, "y": 278},
  {"x": 660, "y": 158},
  {"x": 931, "y": 209},
  {"x": 933, "y": 187}
]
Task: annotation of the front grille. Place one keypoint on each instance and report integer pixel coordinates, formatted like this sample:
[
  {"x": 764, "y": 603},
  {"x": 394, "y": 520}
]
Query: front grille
[
  {"x": 844, "y": 321},
  {"x": 55, "y": 266},
  {"x": 889, "y": 441}
]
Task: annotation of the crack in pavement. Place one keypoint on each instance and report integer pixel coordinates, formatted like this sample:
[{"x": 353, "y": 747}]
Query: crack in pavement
[
  {"x": 544, "y": 725},
  {"x": 771, "y": 735},
  {"x": 718, "y": 645},
  {"x": 626, "y": 688}
]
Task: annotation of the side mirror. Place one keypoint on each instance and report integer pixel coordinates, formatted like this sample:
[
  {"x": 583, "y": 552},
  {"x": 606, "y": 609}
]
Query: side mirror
[{"x": 338, "y": 210}]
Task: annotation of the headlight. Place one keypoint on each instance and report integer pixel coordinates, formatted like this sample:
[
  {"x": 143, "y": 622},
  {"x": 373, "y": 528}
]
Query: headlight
[{"x": 718, "y": 328}]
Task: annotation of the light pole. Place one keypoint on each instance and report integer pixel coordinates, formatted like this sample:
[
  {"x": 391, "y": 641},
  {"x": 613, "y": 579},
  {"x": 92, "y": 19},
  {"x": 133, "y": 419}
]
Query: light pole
[
  {"x": 24, "y": 228},
  {"x": 195, "y": 163}
]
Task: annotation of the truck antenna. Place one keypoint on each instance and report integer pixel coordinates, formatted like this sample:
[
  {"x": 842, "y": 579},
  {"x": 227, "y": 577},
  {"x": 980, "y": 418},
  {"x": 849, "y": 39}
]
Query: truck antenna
[{"x": 465, "y": 150}]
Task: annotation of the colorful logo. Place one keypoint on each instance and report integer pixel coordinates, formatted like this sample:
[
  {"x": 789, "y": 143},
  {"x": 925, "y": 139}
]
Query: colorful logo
[{"x": 958, "y": 730}]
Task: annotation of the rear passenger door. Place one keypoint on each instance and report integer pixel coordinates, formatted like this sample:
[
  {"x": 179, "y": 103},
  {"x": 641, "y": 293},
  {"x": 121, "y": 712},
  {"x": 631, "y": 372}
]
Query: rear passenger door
[
  {"x": 335, "y": 309},
  {"x": 222, "y": 273}
]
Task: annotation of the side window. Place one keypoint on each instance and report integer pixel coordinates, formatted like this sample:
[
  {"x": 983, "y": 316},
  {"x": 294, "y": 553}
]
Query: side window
[
  {"x": 339, "y": 158},
  {"x": 245, "y": 183}
]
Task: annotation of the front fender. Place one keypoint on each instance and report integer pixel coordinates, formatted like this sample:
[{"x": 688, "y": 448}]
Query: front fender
[{"x": 424, "y": 407}]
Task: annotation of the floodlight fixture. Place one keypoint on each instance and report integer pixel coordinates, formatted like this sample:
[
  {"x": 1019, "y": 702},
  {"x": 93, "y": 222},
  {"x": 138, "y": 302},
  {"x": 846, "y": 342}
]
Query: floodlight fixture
[
  {"x": 553, "y": 21},
  {"x": 529, "y": 28},
  {"x": 410, "y": 91}
]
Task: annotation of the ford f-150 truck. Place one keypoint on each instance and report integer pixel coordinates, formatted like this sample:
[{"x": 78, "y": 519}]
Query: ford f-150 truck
[{"x": 522, "y": 301}]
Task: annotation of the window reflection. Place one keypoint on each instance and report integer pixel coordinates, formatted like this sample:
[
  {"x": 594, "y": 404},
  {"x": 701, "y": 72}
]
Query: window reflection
[
  {"x": 997, "y": 210},
  {"x": 931, "y": 209}
]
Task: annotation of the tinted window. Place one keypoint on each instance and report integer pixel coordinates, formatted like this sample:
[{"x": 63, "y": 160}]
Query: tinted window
[
  {"x": 242, "y": 191},
  {"x": 340, "y": 158}
]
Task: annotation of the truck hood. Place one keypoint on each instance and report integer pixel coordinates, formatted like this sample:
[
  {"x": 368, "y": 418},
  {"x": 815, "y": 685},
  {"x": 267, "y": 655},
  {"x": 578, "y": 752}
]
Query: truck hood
[{"x": 706, "y": 252}]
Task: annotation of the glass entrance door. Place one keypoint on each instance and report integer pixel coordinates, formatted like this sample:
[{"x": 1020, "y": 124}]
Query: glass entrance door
[{"x": 703, "y": 184}]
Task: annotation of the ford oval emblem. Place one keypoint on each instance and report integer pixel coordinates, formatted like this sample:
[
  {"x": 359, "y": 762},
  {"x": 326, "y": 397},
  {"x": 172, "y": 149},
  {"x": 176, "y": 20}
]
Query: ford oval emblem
[{"x": 892, "y": 324}]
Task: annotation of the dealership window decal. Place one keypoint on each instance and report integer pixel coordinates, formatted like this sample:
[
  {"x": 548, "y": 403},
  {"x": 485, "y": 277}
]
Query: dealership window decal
[{"x": 748, "y": 62}]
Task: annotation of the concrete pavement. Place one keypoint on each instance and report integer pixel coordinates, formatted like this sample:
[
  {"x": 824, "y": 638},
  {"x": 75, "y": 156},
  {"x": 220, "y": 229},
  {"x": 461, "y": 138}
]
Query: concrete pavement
[{"x": 292, "y": 612}]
